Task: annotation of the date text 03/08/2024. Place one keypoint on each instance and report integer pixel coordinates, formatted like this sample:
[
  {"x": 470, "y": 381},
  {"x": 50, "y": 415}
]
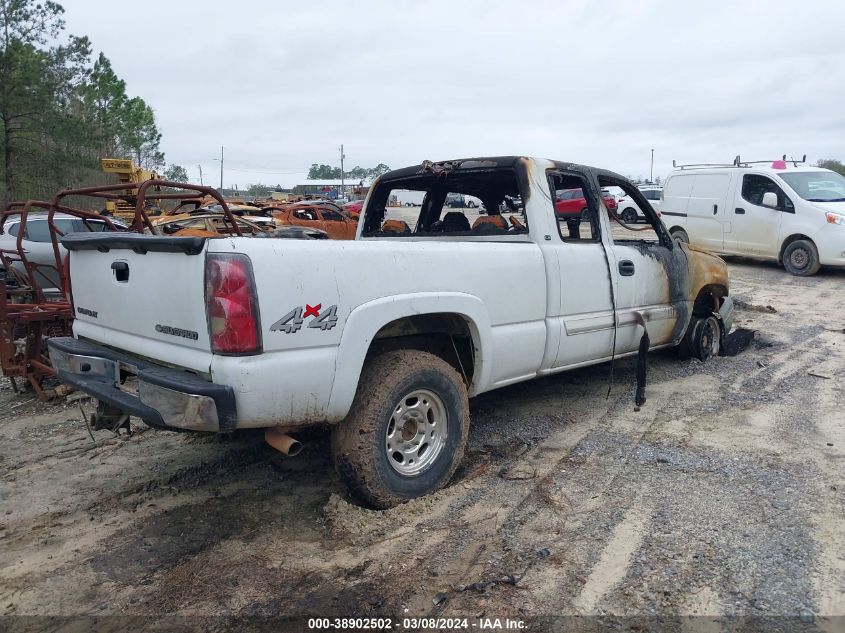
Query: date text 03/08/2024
[{"x": 415, "y": 624}]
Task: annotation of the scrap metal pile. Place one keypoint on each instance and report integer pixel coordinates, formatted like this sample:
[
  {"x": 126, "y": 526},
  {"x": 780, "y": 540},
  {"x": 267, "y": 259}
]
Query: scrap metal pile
[
  {"x": 34, "y": 302},
  {"x": 35, "y": 298}
]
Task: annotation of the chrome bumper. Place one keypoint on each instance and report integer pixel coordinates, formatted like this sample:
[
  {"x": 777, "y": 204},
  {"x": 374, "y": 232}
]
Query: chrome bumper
[{"x": 165, "y": 398}]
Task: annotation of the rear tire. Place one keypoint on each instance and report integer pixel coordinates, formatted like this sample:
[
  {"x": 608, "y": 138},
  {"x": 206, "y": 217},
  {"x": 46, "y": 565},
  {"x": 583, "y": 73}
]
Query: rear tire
[
  {"x": 679, "y": 235},
  {"x": 585, "y": 214},
  {"x": 801, "y": 258},
  {"x": 629, "y": 216},
  {"x": 406, "y": 431}
]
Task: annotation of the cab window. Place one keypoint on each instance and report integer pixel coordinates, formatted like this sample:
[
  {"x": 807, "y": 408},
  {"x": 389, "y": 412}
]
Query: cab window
[
  {"x": 574, "y": 215},
  {"x": 305, "y": 214},
  {"x": 755, "y": 185},
  {"x": 453, "y": 200}
]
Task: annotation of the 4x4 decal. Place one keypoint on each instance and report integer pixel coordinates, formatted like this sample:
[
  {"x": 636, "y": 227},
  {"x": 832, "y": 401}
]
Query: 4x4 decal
[{"x": 293, "y": 320}]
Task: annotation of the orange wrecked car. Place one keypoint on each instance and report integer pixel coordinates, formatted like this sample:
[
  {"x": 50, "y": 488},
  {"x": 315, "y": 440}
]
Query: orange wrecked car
[{"x": 335, "y": 223}]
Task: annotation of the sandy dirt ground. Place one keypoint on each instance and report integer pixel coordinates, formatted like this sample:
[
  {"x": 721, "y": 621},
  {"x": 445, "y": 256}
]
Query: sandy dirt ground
[{"x": 723, "y": 496}]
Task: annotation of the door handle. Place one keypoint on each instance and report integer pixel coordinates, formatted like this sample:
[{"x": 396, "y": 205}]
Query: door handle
[
  {"x": 121, "y": 271},
  {"x": 715, "y": 209},
  {"x": 739, "y": 211},
  {"x": 626, "y": 268}
]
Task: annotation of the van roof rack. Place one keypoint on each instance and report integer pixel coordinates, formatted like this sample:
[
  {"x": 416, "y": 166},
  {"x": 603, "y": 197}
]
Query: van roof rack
[{"x": 738, "y": 162}]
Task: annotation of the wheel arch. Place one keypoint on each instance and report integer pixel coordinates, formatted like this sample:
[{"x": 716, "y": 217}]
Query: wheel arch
[
  {"x": 789, "y": 240},
  {"x": 709, "y": 299},
  {"x": 424, "y": 321}
]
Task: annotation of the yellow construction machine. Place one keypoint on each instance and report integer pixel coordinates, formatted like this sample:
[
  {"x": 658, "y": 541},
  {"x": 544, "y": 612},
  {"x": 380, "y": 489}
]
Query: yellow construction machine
[{"x": 127, "y": 172}]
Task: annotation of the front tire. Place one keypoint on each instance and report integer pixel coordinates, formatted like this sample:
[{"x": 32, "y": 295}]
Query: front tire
[
  {"x": 703, "y": 338},
  {"x": 406, "y": 431},
  {"x": 629, "y": 216},
  {"x": 801, "y": 258}
]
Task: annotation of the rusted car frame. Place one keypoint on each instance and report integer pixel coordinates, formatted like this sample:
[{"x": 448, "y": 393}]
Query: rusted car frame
[{"x": 27, "y": 315}]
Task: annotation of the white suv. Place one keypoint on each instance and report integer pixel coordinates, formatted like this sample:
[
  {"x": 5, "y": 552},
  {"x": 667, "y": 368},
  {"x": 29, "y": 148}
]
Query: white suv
[
  {"x": 784, "y": 212},
  {"x": 631, "y": 213}
]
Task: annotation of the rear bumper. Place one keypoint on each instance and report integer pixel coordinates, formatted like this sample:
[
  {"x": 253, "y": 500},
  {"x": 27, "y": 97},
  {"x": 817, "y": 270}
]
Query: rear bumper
[{"x": 165, "y": 398}]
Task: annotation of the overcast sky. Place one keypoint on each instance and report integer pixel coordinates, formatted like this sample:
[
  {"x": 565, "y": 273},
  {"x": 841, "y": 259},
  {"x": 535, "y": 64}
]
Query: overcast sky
[{"x": 281, "y": 85}]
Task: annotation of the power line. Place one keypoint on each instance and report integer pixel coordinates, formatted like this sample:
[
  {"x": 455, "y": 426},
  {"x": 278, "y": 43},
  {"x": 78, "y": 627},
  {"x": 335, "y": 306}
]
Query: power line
[{"x": 266, "y": 171}]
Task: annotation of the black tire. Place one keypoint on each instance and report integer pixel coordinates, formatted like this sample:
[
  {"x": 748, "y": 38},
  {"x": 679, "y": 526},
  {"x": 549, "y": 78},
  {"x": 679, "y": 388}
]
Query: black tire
[
  {"x": 703, "y": 338},
  {"x": 629, "y": 216},
  {"x": 360, "y": 443},
  {"x": 585, "y": 214},
  {"x": 679, "y": 235},
  {"x": 801, "y": 258}
]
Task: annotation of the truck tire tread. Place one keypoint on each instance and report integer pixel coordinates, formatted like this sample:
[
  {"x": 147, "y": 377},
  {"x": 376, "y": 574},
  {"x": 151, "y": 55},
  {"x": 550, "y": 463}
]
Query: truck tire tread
[{"x": 355, "y": 445}]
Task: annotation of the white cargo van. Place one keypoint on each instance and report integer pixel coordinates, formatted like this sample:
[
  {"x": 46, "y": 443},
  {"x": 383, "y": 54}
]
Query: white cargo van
[{"x": 781, "y": 210}]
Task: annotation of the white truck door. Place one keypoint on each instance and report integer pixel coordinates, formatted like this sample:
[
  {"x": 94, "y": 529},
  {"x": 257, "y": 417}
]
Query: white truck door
[
  {"x": 644, "y": 258},
  {"x": 707, "y": 217},
  {"x": 582, "y": 313},
  {"x": 756, "y": 228}
]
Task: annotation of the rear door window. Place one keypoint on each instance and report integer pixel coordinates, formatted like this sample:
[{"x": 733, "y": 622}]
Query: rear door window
[
  {"x": 575, "y": 219},
  {"x": 332, "y": 216},
  {"x": 37, "y": 231}
]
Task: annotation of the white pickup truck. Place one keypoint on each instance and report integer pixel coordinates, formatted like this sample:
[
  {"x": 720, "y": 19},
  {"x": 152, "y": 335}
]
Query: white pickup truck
[{"x": 387, "y": 336}]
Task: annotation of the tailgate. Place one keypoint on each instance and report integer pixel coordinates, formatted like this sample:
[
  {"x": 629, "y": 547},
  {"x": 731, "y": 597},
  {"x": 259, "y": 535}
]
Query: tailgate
[{"x": 142, "y": 293}]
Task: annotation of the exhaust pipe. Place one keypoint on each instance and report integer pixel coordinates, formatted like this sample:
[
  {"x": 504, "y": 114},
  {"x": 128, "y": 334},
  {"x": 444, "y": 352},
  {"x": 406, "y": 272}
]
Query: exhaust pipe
[{"x": 282, "y": 442}]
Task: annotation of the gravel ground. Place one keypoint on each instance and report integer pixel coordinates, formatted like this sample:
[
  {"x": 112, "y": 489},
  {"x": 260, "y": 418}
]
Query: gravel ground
[{"x": 721, "y": 498}]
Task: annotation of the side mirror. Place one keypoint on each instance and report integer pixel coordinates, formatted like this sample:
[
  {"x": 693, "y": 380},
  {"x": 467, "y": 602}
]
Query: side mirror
[{"x": 770, "y": 199}]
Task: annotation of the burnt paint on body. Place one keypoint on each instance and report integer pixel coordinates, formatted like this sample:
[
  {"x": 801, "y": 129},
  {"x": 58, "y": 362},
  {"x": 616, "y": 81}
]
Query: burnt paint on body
[
  {"x": 688, "y": 271},
  {"x": 678, "y": 288}
]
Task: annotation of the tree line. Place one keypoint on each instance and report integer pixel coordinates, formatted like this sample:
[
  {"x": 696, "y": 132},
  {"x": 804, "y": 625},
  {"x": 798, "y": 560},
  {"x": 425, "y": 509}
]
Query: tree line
[
  {"x": 61, "y": 109},
  {"x": 327, "y": 172}
]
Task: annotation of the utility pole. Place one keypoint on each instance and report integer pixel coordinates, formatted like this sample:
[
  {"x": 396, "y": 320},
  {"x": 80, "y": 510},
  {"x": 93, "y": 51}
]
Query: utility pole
[
  {"x": 341, "y": 171},
  {"x": 200, "y": 168},
  {"x": 651, "y": 177},
  {"x": 221, "y": 167}
]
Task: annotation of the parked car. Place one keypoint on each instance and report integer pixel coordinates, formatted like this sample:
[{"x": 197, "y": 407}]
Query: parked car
[
  {"x": 38, "y": 246},
  {"x": 338, "y": 225},
  {"x": 460, "y": 201},
  {"x": 246, "y": 333},
  {"x": 794, "y": 215},
  {"x": 572, "y": 203},
  {"x": 353, "y": 209},
  {"x": 215, "y": 224},
  {"x": 249, "y": 212},
  {"x": 631, "y": 213}
]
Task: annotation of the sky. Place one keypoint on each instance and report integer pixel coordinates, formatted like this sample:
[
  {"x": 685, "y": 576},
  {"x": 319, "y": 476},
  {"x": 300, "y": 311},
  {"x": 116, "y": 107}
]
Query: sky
[{"x": 282, "y": 85}]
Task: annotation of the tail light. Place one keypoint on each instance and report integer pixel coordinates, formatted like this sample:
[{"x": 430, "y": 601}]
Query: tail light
[{"x": 231, "y": 304}]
